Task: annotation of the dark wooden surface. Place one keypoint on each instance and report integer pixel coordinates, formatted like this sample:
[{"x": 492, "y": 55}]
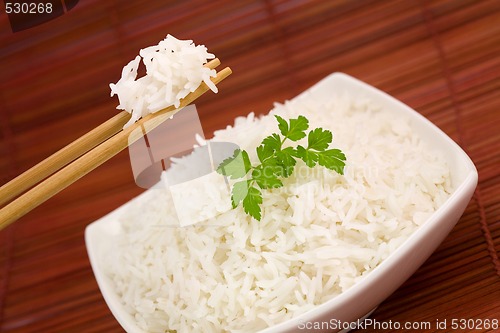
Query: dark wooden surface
[{"x": 440, "y": 57}]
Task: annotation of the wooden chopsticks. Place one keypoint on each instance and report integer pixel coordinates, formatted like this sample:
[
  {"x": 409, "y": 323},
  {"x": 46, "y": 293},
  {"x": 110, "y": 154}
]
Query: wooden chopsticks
[
  {"x": 84, "y": 155},
  {"x": 62, "y": 157}
]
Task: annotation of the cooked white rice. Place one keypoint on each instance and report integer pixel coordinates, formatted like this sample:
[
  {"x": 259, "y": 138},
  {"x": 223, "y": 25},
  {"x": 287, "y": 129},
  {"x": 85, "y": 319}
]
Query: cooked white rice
[
  {"x": 174, "y": 68},
  {"x": 318, "y": 236}
]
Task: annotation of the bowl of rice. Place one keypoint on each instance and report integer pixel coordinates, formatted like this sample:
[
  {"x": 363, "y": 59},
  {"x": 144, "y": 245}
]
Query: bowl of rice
[{"x": 328, "y": 249}]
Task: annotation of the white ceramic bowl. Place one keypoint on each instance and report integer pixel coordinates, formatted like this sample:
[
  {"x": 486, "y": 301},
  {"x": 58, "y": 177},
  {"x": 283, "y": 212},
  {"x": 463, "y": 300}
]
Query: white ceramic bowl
[{"x": 363, "y": 297}]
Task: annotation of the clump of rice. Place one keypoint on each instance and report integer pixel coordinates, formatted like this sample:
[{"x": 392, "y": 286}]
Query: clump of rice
[
  {"x": 174, "y": 68},
  {"x": 319, "y": 235}
]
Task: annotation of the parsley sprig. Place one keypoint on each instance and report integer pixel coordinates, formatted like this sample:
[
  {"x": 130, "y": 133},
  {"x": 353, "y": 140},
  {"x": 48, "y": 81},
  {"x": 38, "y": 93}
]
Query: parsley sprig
[{"x": 277, "y": 162}]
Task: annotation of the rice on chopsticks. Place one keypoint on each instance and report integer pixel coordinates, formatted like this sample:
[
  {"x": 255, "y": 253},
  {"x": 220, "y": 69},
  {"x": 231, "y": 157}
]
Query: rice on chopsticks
[{"x": 174, "y": 68}]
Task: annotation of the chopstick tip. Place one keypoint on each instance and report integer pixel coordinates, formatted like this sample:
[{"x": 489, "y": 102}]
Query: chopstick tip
[{"x": 212, "y": 64}]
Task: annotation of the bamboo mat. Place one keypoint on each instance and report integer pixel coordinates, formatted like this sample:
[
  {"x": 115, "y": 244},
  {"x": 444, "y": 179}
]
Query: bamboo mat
[{"x": 440, "y": 57}]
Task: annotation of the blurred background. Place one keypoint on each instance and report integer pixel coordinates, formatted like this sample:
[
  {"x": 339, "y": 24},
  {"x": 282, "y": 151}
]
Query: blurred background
[{"x": 439, "y": 57}]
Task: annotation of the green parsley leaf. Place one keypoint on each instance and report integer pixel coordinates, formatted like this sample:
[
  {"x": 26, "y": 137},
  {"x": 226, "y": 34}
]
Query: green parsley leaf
[
  {"x": 277, "y": 162},
  {"x": 273, "y": 166},
  {"x": 264, "y": 152},
  {"x": 286, "y": 160},
  {"x": 309, "y": 157},
  {"x": 272, "y": 142},
  {"x": 246, "y": 161},
  {"x": 282, "y": 125},
  {"x": 252, "y": 202},
  {"x": 297, "y": 128},
  {"x": 319, "y": 139},
  {"x": 266, "y": 175},
  {"x": 239, "y": 192},
  {"x": 235, "y": 166},
  {"x": 332, "y": 159}
]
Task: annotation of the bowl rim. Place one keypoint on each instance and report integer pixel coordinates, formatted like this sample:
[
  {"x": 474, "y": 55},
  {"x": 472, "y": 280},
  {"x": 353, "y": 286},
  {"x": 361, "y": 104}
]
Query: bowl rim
[{"x": 460, "y": 191}]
